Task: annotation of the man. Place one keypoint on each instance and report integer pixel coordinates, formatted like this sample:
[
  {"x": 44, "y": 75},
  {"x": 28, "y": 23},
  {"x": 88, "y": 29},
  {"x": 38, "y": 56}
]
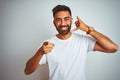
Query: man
[{"x": 66, "y": 52}]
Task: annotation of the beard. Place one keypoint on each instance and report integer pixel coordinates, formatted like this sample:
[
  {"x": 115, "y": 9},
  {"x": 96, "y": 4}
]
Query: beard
[{"x": 63, "y": 30}]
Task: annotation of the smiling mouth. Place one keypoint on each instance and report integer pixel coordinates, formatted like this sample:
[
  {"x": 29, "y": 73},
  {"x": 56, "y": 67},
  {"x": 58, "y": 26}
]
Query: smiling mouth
[{"x": 64, "y": 28}]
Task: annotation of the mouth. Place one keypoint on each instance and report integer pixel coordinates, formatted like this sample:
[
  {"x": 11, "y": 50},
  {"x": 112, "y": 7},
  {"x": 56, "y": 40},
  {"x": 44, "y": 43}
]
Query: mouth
[{"x": 64, "y": 28}]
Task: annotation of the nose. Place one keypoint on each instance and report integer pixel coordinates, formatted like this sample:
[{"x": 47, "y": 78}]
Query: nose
[{"x": 63, "y": 23}]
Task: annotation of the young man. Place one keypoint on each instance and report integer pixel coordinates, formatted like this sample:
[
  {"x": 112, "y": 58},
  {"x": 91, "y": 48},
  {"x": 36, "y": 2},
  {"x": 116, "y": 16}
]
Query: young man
[{"x": 66, "y": 52}]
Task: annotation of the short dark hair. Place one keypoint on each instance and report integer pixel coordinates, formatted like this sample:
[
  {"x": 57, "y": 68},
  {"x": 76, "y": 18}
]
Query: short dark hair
[{"x": 60, "y": 8}]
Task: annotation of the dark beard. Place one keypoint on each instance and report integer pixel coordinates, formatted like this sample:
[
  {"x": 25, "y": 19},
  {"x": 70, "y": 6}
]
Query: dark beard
[{"x": 63, "y": 32}]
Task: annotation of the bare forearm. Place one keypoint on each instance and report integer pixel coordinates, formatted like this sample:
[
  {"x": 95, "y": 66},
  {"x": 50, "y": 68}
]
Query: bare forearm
[
  {"x": 104, "y": 41},
  {"x": 33, "y": 63}
]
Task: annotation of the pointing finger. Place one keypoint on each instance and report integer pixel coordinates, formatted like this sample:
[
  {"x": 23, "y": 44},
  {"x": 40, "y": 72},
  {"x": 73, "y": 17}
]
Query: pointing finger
[
  {"x": 51, "y": 44},
  {"x": 48, "y": 43},
  {"x": 45, "y": 43}
]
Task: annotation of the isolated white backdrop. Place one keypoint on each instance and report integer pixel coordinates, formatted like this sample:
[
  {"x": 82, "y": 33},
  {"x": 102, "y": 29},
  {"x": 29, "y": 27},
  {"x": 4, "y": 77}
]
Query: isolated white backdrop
[{"x": 24, "y": 25}]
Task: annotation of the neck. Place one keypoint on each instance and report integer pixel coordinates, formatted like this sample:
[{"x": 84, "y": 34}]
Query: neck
[{"x": 64, "y": 37}]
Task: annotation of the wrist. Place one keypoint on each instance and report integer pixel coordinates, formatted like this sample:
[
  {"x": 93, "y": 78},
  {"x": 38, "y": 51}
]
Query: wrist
[{"x": 90, "y": 29}]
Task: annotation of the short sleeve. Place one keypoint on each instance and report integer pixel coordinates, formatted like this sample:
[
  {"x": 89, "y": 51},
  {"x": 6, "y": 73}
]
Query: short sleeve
[
  {"x": 91, "y": 43},
  {"x": 43, "y": 59}
]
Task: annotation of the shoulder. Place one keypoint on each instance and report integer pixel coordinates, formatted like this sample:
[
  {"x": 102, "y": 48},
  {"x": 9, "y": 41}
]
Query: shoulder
[
  {"x": 82, "y": 37},
  {"x": 76, "y": 35},
  {"x": 52, "y": 39}
]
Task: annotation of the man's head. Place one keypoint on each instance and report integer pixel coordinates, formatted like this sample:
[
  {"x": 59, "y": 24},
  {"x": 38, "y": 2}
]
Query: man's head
[{"x": 62, "y": 19}]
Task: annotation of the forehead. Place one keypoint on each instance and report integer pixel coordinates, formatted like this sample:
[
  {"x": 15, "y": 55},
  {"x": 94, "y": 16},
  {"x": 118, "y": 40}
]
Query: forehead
[{"x": 62, "y": 14}]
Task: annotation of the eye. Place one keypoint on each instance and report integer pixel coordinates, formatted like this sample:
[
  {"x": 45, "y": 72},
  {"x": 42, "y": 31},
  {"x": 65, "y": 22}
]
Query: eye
[
  {"x": 67, "y": 18},
  {"x": 58, "y": 20}
]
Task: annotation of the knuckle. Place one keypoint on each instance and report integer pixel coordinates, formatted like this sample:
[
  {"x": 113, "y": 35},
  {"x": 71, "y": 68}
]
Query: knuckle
[{"x": 45, "y": 43}]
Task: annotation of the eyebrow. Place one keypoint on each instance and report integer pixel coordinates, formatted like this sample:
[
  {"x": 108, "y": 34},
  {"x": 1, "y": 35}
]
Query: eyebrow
[
  {"x": 67, "y": 17},
  {"x": 64, "y": 17}
]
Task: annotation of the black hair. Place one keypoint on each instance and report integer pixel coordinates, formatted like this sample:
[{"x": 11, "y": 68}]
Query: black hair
[{"x": 60, "y": 8}]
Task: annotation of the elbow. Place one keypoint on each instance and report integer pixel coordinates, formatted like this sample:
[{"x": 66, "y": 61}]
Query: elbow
[
  {"x": 114, "y": 49},
  {"x": 30, "y": 69},
  {"x": 28, "y": 72}
]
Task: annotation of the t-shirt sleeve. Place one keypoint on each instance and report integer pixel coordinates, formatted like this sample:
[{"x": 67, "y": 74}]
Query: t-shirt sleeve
[
  {"x": 43, "y": 59},
  {"x": 91, "y": 43}
]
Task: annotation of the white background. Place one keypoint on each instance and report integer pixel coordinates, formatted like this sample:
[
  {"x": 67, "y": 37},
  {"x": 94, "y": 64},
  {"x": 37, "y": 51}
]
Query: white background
[{"x": 25, "y": 24}]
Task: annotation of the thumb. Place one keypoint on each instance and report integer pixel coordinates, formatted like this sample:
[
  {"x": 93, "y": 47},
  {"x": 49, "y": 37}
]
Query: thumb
[{"x": 78, "y": 18}]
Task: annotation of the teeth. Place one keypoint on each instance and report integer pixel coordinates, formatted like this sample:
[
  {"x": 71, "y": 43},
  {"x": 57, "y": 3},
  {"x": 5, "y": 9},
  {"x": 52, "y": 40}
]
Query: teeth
[{"x": 64, "y": 28}]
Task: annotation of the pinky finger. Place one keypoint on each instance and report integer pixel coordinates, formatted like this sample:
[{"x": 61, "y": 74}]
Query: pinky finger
[{"x": 74, "y": 30}]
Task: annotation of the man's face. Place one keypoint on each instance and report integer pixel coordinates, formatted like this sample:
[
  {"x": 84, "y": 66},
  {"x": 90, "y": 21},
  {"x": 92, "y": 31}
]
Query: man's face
[{"x": 62, "y": 22}]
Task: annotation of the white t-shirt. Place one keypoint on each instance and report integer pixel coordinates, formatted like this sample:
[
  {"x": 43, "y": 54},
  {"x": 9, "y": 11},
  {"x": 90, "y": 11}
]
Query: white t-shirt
[{"x": 67, "y": 59}]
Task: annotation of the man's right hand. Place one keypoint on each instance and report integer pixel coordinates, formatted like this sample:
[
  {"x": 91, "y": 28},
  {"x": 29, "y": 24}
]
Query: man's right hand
[{"x": 46, "y": 48}]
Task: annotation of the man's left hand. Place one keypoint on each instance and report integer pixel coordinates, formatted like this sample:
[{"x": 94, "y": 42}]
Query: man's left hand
[{"x": 80, "y": 25}]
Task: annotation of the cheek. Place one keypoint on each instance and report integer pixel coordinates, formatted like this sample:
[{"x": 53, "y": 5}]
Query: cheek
[
  {"x": 54, "y": 23},
  {"x": 57, "y": 24},
  {"x": 70, "y": 23}
]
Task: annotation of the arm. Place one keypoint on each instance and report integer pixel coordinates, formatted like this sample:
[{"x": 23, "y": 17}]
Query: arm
[
  {"x": 33, "y": 63},
  {"x": 103, "y": 43}
]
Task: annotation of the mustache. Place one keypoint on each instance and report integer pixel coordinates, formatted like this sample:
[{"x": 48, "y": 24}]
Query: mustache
[{"x": 63, "y": 26}]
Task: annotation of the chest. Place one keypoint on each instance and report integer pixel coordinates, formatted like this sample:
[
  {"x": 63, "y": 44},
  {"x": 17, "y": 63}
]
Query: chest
[{"x": 64, "y": 53}]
